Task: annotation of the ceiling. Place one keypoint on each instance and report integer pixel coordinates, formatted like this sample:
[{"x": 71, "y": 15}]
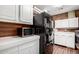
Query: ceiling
[{"x": 54, "y": 10}]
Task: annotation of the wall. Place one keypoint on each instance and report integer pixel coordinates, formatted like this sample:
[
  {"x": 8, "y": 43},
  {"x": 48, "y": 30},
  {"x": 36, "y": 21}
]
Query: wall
[
  {"x": 71, "y": 14},
  {"x": 10, "y": 29}
]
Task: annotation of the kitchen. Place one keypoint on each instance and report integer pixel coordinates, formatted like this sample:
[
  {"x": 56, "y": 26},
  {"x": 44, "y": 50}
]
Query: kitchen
[{"x": 39, "y": 29}]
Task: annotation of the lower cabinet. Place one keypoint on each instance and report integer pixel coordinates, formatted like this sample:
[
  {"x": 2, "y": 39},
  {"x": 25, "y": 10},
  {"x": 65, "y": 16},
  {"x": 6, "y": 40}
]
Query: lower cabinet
[
  {"x": 65, "y": 39},
  {"x": 12, "y": 50},
  {"x": 71, "y": 41},
  {"x": 60, "y": 39},
  {"x": 31, "y": 47}
]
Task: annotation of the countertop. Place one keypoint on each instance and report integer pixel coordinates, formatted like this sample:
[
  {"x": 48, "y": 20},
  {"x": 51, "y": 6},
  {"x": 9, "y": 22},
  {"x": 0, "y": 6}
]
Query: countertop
[{"x": 7, "y": 42}]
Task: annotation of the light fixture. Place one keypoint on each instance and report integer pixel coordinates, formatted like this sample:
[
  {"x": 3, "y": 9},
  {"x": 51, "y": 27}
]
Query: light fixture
[{"x": 37, "y": 10}]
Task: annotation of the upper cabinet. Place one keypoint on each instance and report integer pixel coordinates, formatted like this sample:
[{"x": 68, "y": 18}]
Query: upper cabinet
[
  {"x": 17, "y": 13},
  {"x": 67, "y": 23},
  {"x": 73, "y": 22},
  {"x": 61, "y": 24},
  {"x": 26, "y": 14},
  {"x": 9, "y": 13}
]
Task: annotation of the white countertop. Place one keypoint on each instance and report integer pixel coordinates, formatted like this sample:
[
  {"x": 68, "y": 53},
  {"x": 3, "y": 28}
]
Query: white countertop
[{"x": 7, "y": 42}]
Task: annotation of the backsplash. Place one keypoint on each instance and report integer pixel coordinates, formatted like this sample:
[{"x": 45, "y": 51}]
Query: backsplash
[
  {"x": 10, "y": 29},
  {"x": 66, "y": 30}
]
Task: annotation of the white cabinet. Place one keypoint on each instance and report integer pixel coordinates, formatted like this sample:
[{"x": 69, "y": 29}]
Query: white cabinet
[
  {"x": 57, "y": 24},
  {"x": 67, "y": 23},
  {"x": 26, "y": 14},
  {"x": 71, "y": 40},
  {"x": 12, "y": 50},
  {"x": 29, "y": 48},
  {"x": 20, "y": 45},
  {"x": 60, "y": 39},
  {"x": 57, "y": 39},
  {"x": 73, "y": 22},
  {"x": 17, "y": 14},
  {"x": 9, "y": 13},
  {"x": 61, "y": 24},
  {"x": 65, "y": 39}
]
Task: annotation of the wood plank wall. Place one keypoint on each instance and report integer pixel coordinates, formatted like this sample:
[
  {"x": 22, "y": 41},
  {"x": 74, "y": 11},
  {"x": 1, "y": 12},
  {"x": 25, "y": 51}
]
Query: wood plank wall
[
  {"x": 10, "y": 29},
  {"x": 60, "y": 16},
  {"x": 67, "y": 30}
]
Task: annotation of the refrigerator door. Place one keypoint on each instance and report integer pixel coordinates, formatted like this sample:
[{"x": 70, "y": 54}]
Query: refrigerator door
[{"x": 42, "y": 43}]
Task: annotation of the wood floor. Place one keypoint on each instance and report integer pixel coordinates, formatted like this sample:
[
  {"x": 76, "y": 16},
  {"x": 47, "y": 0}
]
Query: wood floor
[
  {"x": 56, "y": 49},
  {"x": 63, "y": 50}
]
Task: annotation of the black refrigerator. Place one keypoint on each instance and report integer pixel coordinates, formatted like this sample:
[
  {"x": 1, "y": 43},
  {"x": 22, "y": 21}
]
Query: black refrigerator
[{"x": 43, "y": 27}]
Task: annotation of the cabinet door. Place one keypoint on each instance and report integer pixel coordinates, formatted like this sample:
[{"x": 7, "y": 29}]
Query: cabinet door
[
  {"x": 12, "y": 50},
  {"x": 65, "y": 39},
  {"x": 57, "y": 39},
  {"x": 73, "y": 22},
  {"x": 26, "y": 14},
  {"x": 57, "y": 24},
  {"x": 60, "y": 39},
  {"x": 71, "y": 41},
  {"x": 29, "y": 48},
  {"x": 9, "y": 12},
  {"x": 61, "y": 24},
  {"x": 64, "y": 23}
]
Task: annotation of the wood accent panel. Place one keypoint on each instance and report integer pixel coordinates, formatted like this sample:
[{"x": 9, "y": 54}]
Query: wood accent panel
[
  {"x": 60, "y": 16},
  {"x": 77, "y": 13},
  {"x": 67, "y": 30},
  {"x": 10, "y": 29}
]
